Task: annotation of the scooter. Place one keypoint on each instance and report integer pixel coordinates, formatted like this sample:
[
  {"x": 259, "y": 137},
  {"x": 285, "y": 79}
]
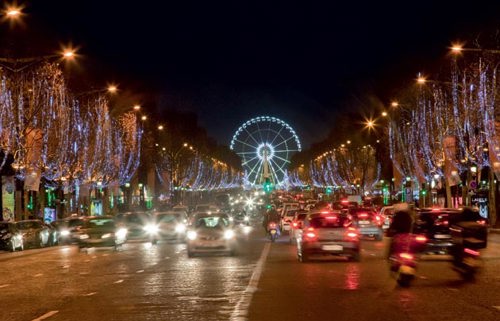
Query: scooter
[
  {"x": 273, "y": 231},
  {"x": 468, "y": 239},
  {"x": 403, "y": 257}
]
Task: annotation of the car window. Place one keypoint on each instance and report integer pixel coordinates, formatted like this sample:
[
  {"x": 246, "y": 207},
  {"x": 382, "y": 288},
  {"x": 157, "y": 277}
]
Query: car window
[
  {"x": 137, "y": 218},
  {"x": 212, "y": 222},
  {"x": 301, "y": 217},
  {"x": 328, "y": 221},
  {"x": 167, "y": 218},
  {"x": 97, "y": 223},
  {"x": 74, "y": 223}
]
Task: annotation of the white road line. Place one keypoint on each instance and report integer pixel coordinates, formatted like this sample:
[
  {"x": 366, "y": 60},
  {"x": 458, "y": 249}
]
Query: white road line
[
  {"x": 38, "y": 275},
  {"x": 4, "y": 286},
  {"x": 119, "y": 281},
  {"x": 46, "y": 315},
  {"x": 240, "y": 312},
  {"x": 90, "y": 294},
  {"x": 139, "y": 271}
]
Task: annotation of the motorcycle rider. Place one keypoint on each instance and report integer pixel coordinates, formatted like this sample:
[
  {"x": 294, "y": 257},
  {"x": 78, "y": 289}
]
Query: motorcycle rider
[
  {"x": 271, "y": 215},
  {"x": 402, "y": 223}
]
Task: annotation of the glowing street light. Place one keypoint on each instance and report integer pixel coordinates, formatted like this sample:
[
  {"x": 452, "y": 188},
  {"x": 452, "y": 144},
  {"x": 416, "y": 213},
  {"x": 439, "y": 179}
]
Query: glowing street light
[
  {"x": 421, "y": 80},
  {"x": 370, "y": 124},
  {"x": 144, "y": 117},
  {"x": 384, "y": 114},
  {"x": 395, "y": 104},
  {"x": 112, "y": 89},
  {"x": 137, "y": 107},
  {"x": 160, "y": 127},
  {"x": 69, "y": 54}
]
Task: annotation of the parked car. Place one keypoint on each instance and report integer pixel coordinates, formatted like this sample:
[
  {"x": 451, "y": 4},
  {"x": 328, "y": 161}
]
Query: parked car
[
  {"x": 368, "y": 222},
  {"x": 137, "y": 225},
  {"x": 11, "y": 238},
  {"x": 101, "y": 231},
  {"x": 210, "y": 233},
  {"x": 168, "y": 225},
  {"x": 35, "y": 233},
  {"x": 328, "y": 233}
]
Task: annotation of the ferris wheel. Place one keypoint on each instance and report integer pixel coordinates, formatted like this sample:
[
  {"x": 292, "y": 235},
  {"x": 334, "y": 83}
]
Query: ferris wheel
[{"x": 265, "y": 145}]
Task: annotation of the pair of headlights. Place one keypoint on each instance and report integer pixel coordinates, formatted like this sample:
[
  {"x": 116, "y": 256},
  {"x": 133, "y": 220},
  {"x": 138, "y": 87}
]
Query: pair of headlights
[
  {"x": 228, "y": 234},
  {"x": 121, "y": 234}
]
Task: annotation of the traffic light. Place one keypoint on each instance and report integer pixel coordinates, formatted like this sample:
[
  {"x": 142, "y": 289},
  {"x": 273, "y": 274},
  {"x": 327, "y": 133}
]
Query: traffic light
[
  {"x": 328, "y": 190},
  {"x": 268, "y": 186}
]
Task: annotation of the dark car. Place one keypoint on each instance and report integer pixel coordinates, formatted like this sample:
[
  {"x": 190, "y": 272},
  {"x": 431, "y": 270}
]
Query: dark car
[
  {"x": 11, "y": 238},
  {"x": 100, "y": 231},
  {"x": 168, "y": 225},
  {"x": 67, "y": 229},
  {"x": 435, "y": 224},
  {"x": 35, "y": 233},
  {"x": 368, "y": 222},
  {"x": 210, "y": 233},
  {"x": 138, "y": 225},
  {"x": 328, "y": 233}
]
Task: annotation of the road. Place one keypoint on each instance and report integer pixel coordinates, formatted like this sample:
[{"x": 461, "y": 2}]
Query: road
[{"x": 263, "y": 282}]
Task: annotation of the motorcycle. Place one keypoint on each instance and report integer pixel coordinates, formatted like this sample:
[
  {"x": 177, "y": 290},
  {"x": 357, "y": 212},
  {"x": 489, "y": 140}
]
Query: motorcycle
[
  {"x": 403, "y": 257},
  {"x": 468, "y": 239},
  {"x": 273, "y": 231}
]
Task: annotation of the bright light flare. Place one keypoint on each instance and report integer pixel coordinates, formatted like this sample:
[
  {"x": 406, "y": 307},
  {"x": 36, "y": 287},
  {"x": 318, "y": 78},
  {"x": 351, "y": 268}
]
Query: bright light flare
[
  {"x": 137, "y": 107},
  {"x": 68, "y": 53},
  {"x": 13, "y": 12},
  {"x": 457, "y": 48},
  {"x": 112, "y": 89},
  {"x": 370, "y": 124},
  {"x": 394, "y": 104},
  {"x": 421, "y": 80}
]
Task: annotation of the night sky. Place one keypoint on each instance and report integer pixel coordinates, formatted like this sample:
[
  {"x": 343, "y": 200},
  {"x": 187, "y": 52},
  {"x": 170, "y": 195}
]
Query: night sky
[{"x": 229, "y": 61}]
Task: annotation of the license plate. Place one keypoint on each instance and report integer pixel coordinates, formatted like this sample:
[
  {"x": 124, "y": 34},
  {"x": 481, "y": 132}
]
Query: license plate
[
  {"x": 273, "y": 232},
  {"x": 364, "y": 222},
  {"x": 442, "y": 236},
  {"x": 332, "y": 247}
]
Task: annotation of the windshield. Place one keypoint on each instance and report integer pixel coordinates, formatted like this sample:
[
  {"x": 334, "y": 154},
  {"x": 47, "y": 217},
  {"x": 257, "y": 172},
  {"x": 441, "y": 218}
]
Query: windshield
[
  {"x": 100, "y": 222},
  {"x": 137, "y": 218},
  {"x": 211, "y": 222},
  {"x": 167, "y": 218},
  {"x": 329, "y": 221},
  {"x": 74, "y": 223},
  {"x": 29, "y": 224}
]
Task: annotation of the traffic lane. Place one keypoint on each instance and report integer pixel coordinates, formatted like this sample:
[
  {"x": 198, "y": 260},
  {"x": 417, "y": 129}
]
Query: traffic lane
[
  {"x": 158, "y": 283},
  {"x": 365, "y": 291}
]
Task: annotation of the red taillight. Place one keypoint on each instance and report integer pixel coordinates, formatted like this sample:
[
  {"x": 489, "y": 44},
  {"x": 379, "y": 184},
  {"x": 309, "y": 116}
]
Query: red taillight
[
  {"x": 331, "y": 217},
  {"x": 471, "y": 252},
  {"x": 272, "y": 225},
  {"x": 406, "y": 256},
  {"x": 351, "y": 233},
  {"x": 421, "y": 238},
  {"x": 482, "y": 222},
  {"x": 363, "y": 215},
  {"x": 310, "y": 234},
  {"x": 294, "y": 224}
]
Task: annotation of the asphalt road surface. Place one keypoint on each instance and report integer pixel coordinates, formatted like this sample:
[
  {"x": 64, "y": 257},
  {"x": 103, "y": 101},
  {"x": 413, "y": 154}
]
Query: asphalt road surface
[{"x": 263, "y": 282}]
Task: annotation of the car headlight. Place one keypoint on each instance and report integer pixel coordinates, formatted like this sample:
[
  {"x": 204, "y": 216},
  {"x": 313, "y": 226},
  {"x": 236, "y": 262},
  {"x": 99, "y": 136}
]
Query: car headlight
[
  {"x": 151, "y": 228},
  {"x": 192, "y": 235},
  {"x": 84, "y": 236},
  {"x": 180, "y": 228},
  {"x": 64, "y": 232},
  {"x": 106, "y": 236},
  {"x": 247, "y": 229},
  {"x": 121, "y": 233},
  {"x": 229, "y": 234}
]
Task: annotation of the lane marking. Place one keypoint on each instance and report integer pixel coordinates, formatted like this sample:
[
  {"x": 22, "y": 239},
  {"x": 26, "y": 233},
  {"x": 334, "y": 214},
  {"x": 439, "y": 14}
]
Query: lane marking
[
  {"x": 4, "y": 286},
  {"x": 139, "y": 271},
  {"x": 65, "y": 266},
  {"x": 240, "y": 312},
  {"x": 38, "y": 275},
  {"x": 46, "y": 315},
  {"x": 119, "y": 281},
  {"x": 90, "y": 294}
]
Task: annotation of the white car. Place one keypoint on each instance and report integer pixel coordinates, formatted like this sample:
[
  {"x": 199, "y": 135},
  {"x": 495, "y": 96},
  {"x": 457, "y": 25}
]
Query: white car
[{"x": 387, "y": 212}]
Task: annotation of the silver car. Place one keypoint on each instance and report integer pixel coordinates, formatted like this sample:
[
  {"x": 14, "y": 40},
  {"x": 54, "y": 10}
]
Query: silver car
[{"x": 210, "y": 233}]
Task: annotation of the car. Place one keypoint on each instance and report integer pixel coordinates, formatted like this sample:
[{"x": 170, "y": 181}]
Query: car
[
  {"x": 287, "y": 217},
  {"x": 434, "y": 223},
  {"x": 368, "y": 222},
  {"x": 35, "y": 233},
  {"x": 210, "y": 233},
  {"x": 386, "y": 213},
  {"x": 296, "y": 227},
  {"x": 206, "y": 208},
  {"x": 169, "y": 225},
  {"x": 328, "y": 233},
  {"x": 11, "y": 238},
  {"x": 67, "y": 229},
  {"x": 138, "y": 225},
  {"x": 101, "y": 231}
]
